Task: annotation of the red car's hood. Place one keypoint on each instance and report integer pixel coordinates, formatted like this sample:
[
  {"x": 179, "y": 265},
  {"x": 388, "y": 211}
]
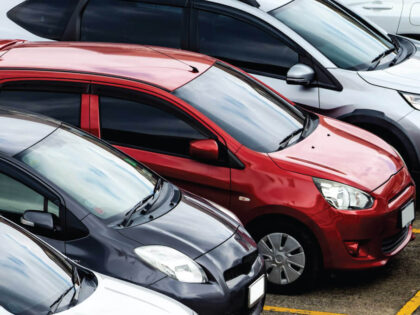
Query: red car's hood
[{"x": 341, "y": 152}]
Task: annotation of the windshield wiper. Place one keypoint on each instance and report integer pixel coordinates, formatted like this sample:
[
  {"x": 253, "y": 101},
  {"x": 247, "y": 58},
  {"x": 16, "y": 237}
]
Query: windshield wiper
[
  {"x": 377, "y": 60},
  {"x": 139, "y": 206},
  {"x": 54, "y": 306},
  {"x": 286, "y": 140},
  {"x": 76, "y": 284}
]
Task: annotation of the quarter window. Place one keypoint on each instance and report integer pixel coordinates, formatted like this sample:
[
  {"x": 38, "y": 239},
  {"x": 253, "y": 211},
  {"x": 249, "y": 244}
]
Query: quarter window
[
  {"x": 61, "y": 106},
  {"x": 243, "y": 45},
  {"x": 145, "y": 125},
  {"x": 133, "y": 22}
]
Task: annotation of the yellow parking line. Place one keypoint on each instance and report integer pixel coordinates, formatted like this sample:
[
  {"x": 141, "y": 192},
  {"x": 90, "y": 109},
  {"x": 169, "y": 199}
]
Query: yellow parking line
[
  {"x": 295, "y": 311},
  {"x": 417, "y": 231},
  {"x": 411, "y": 306}
]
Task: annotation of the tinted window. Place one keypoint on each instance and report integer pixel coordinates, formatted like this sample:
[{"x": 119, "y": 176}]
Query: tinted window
[
  {"x": 103, "y": 180},
  {"x": 132, "y": 22},
  {"x": 145, "y": 126},
  {"x": 44, "y": 18},
  {"x": 32, "y": 276},
  {"x": 345, "y": 41},
  {"x": 243, "y": 108},
  {"x": 16, "y": 198},
  {"x": 61, "y": 106},
  {"x": 243, "y": 45}
]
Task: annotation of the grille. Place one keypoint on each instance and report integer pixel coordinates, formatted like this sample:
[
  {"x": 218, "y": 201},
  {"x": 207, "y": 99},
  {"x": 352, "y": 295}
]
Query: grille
[
  {"x": 391, "y": 243},
  {"x": 243, "y": 268}
]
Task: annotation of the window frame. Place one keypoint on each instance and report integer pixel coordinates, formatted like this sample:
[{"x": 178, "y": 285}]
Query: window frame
[
  {"x": 227, "y": 159},
  {"x": 324, "y": 79},
  {"x": 49, "y": 86}
]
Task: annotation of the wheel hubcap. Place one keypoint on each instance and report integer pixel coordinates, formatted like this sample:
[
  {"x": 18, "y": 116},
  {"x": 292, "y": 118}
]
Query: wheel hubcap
[{"x": 284, "y": 257}]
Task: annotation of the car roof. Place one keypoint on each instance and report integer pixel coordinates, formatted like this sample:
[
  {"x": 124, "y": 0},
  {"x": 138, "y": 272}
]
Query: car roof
[
  {"x": 19, "y": 130},
  {"x": 163, "y": 67}
]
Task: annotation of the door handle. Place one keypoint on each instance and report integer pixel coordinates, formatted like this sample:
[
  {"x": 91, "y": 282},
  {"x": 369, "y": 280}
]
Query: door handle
[{"x": 378, "y": 7}]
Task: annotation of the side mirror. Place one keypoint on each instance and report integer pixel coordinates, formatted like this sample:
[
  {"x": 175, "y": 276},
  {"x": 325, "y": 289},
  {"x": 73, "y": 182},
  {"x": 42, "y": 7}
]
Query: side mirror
[
  {"x": 300, "y": 74},
  {"x": 38, "y": 219},
  {"x": 207, "y": 150}
]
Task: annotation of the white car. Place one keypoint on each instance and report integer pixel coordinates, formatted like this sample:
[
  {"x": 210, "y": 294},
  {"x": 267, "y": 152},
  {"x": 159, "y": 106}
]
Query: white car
[
  {"x": 395, "y": 16},
  {"x": 36, "y": 279}
]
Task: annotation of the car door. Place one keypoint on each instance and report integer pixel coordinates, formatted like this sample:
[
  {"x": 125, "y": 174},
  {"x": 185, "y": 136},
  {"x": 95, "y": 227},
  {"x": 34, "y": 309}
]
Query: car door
[
  {"x": 158, "y": 133},
  {"x": 20, "y": 192},
  {"x": 250, "y": 44},
  {"x": 60, "y": 100},
  {"x": 385, "y": 13}
]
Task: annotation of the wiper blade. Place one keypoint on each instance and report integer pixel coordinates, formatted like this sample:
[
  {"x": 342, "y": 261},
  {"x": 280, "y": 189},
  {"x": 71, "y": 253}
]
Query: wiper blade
[
  {"x": 54, "y": 306},
  {"x": 76, "y": 285},
  {"x": 143, "y": 203},
  {"x": 377, "y": 60},
  {"x": 286, "y": 140}
]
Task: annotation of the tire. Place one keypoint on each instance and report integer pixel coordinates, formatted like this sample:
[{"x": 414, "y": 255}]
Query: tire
[{"x": 294, "y": 268}]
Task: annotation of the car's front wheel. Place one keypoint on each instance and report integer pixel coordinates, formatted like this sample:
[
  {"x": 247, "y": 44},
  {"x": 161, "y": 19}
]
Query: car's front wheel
[{"x": 292, "y": 258}]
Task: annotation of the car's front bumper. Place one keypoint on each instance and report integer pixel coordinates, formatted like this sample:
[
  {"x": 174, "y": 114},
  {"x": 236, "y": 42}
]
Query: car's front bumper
[
  {"x": 369, "y": 238},
  {"x": 231, "y": 267}
]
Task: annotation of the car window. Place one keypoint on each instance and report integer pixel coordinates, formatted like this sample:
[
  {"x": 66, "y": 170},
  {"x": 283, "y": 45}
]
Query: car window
[
  {"x": 137, "y": 22},
  {"x": 103, "y": 180},
  {"x": 244, "y": 45},
  {"x": 16, "y": 198},
  {"x": 32, "y": 275},
  {"x": 61, "y": 106},
  {"x": 144, "y": 125},
  {"x": 43, "y": 18},
  {"x": 245, "y": 109},
  {"x": 344, "y": 40}
]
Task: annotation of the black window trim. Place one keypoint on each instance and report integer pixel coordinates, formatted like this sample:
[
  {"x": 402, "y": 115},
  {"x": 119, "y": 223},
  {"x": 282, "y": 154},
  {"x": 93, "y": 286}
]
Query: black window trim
[
  {"x": 304, "y": 56},
  {"x": 228, "y": 158}
]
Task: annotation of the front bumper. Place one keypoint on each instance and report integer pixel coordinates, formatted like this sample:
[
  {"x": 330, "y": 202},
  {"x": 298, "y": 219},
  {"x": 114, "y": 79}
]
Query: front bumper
[
  {"x": 231, "y": 268},
  {"x": 376, "y": 233}
]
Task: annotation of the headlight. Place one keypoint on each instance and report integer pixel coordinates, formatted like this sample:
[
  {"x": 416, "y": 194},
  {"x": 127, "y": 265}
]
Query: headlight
[
  {"x": 342, "y": 196},
  {"x": 226, "y": 211},
  {"x": 412, "y": 99},
  {"x": 173, "y": 263}
]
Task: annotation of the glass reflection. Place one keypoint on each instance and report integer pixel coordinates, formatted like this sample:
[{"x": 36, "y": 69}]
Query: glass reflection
[
  {"x": 103, "y": 180},
  {"x": 243, "y": 108},
  {"x": 31, "y": 276},
  {"x": 346, "y": 42}
]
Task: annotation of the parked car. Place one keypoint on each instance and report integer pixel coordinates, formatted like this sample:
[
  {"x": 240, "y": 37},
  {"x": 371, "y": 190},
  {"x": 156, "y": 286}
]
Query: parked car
[
  {"x": 111, "y": 214},
  {"x": 313, "y": 191},
  {"x": 318, "y": 53},
  {"x": 36, "y": 279},
  {"x": 395, "y": 16}
]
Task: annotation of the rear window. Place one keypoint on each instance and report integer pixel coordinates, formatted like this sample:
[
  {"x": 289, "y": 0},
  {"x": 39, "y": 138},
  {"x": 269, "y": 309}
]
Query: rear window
[{"x": 43, "y": 18}]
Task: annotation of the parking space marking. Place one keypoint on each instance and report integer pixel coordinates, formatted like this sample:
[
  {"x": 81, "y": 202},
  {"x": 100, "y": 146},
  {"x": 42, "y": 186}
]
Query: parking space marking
[
  {"x": 411, "y": 306},
  {"x": 417, "y": 231},
  {"x": 295, "y": 311}
]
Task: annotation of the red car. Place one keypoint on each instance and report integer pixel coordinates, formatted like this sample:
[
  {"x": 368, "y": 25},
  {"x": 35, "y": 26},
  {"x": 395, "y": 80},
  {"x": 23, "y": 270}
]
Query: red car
[{"x": 314, "y": 192}]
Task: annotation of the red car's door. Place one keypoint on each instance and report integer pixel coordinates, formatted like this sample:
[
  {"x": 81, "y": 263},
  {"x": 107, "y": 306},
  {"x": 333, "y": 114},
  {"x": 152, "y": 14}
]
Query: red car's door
[{"x": 157, "y": 133}]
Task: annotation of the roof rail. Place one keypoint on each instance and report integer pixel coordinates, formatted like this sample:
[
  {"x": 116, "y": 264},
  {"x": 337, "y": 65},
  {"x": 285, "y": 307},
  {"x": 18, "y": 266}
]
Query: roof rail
[
  {"x": 253, "y": 3},
  {"x": 9, "y": 42}
]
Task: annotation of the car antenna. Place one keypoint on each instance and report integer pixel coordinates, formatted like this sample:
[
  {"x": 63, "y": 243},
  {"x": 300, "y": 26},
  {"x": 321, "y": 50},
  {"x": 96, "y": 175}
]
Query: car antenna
[{"x": 193, "y": 69}]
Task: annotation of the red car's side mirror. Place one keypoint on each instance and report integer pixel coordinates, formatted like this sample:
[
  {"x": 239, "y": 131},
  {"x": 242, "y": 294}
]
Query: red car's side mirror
[{"x": 207, "y": 150}]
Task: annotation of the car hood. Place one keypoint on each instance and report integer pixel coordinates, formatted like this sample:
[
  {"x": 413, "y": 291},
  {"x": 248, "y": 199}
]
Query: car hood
[
  {"x": 193, "y": 227},
  {"x": 114, "y": 296},
  {"x": 342, "y": 152},
  {"x": 402, "y": 77}
]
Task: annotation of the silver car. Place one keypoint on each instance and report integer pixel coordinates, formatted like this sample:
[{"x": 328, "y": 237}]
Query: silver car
[
  {"x": 319, "y": 54},
  {"x": 36, "y": 279}
]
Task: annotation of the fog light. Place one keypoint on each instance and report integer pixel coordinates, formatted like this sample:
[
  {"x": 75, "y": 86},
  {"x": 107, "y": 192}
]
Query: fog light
[{"x": 356, "y": 249}]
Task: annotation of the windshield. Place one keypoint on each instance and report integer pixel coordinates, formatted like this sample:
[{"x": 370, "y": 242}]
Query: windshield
[
  {"x": 102, "y": 179},
  {"x": 243, "y": 108},
  {"x": 32, "y": 276},
  {"x": 342, "y": 39}
]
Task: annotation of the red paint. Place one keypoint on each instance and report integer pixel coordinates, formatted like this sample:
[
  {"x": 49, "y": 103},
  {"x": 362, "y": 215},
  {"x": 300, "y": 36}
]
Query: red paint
[
  {"x": 277, "y": 184},
  {"x": 204, "y": 150}
]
